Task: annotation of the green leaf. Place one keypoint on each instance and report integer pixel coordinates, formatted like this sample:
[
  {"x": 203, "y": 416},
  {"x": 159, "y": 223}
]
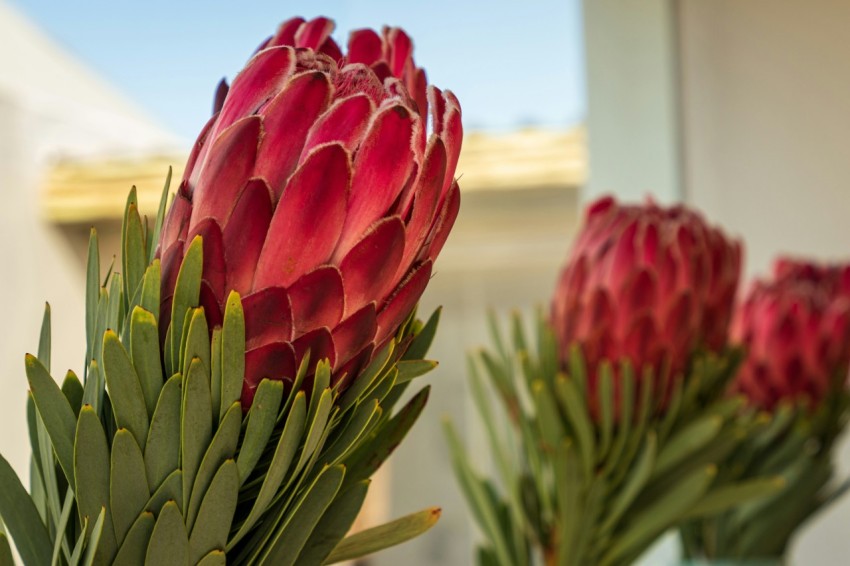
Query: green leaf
[
  {"x": 216, "y": 513},
  {"x": 197, "y": 341},
  {"x": 22, "y": 519},
  {"x": 149, "y": 299},
  {"x": 573, "y": 405},
  {"x": 232, "y": 352},
  {"x": 195, "y": 424},
  {"x": 92, "y": 293},
  {"x": 261, "y": 420},
  {"x": 418, "y": 349},
  {"x": 660, "y": 515},
  {"x": 133, "y": 257},
  {"x": 160, "y": 217},
  {"x": 187, "y": 291},
  {"x": 91, "y": 463},
  {"x": 169, "y": 544},
  {"x": 214, "y": 558},
  {"x": 44, "y": 338},
  {"x": 689, "y": 441},
  {"x": 606, "y": 405},
  {"x": 144, "y": 349},
  {"x": 58, "y": 417},
  {"x": 296, "y": 529},
  {"x": 548, "y": 418},
  {"x": 73, "y": 391},
  {"x": 170, "y": 490},
  {"x": 730, "y": 496},
  {"x": 367, "y": 377},
  {"x": 61, "y": 543},
  {"x": 317, "y": 427},
  {"x": 134, "y": 547},
  {"x": 381, "y": 443},
  {"x": 215, "y": 375},
  {"x": 384, "y": 536},
  {"x": 570, "y": 499},
  {"x": 222, "y": 448},
  {"x": 364, "y": 417},
  {"x": 93, "y": 549},
  {"x": 334, "y": 524},
  {"x": 128, "y": 486},
  {"x": 6, "y": 558},
  {"x": 284, "y": 453},
  {"x": 162, "y": 453},
  {"x": 636, "y": 480},
  {"x": 125, "y": 390}
]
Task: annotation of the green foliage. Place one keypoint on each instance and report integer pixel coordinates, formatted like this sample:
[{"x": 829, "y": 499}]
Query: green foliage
[
  {"x": 579, "y": 487},
  {"x": 151, "y": 459},
  {"x": 796, "y": 444}
]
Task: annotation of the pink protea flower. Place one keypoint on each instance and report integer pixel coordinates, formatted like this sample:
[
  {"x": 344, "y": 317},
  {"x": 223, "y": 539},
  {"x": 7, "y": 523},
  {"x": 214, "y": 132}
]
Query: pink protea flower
[
  {"x": 320, "y": 195},
  {"x": 647, "y": 284},
  {"x": 796, "y": 330}
]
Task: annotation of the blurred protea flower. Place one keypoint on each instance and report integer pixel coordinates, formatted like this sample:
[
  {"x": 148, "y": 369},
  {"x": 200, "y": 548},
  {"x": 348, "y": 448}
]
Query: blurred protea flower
[
  {"x": 796, "y": 331},
  {"x": 321, "y": 196},
  {"x": 645, "y": 284}
]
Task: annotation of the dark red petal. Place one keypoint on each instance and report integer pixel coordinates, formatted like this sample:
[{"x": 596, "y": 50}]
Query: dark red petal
[
  {"x": 268, "y": 317},
  {"x": 401, "y": 303},
  {"x": 344, "y": 122},
  {"x": 331, "y": 49},
  {"x": 307, "y": 222},
  {"x": 452, "y": 135},
  {"x": 381, "y": 70},
  {"x": 313, "y": 34},
  {"x": 355, "y": 333},
  {"x": 220, "y": 94},
  {"x": 215, "y": 270},
  {"x": 352, "y": 369},
  {"x": 317, "y": 300},
  {"x": 444, "y": 222},
  {"x": 364, "y": 46},
  {"x": 426, "y": 192},
  {"x": 200, "y": 146},
  {"x": 245, "y": 234},
  {"x": 419, "y": 93},
  {"x": 272, "y": 361},
  {"x": 640, "y": 340},
  {"x": 381, "y": 167},
  {"x": 228, "y": 167},
  {"x": 320, "y": 344},
  {"x": 176, "y": 223},
  {"x": 287, "y": 119},
  {"x": 261, "y": 79},
  {"x": 212, "y": 308},
  {"x": 367, "y": 269},
  {"x": 286, "y": 32},
  {"x": 401, "y": 51}
]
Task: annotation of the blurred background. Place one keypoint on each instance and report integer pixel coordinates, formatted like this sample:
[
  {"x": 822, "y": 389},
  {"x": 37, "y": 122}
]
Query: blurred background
[{"x": 738, "y": 107}]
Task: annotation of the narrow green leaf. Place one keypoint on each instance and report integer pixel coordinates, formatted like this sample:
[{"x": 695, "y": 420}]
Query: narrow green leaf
[
  {"x": 548, "y": 418},
  {"x": 418, "y": 349},
  {"x": 381, "y": 443},
  {"x": 125, "y": 389},
  {"x": 6, "y": 558},
  {"x": 128, "y": 485},
  {"x": 367, "y": 377},
  {"x": 91, "y": 464},
  {"x": 169, "y": 544},
  {"x": 149, "y": 299},
  {"x": 232, "y": 352},
  {"x": 44, "y": 338},
  {"x": 573, "y": 404},
  {"x": 133, "y": 549},
  {"x": 170, "y": 490},
  {"x": 334, "y": 524},
  {"x": 56, "y": 413},
  {"x": 61, "y": 542},
  {"x": 92, "y": 292},
  {"x": 160, "y": 217},
  {"x": 195, "y": 424},
  {"x": 144, "y": 350},
  {"x": 606, "y": 405},
  {"x": 73, "y": 391},
  {"x": 187, "y": 291},
  {"x": 317, "y": 427},
  {"x": 731, "y": 496},
  {"x": 261, "y": 420},
  {"x": 689, "y": 441},
  {"x": 284, "y": 453},
  {"x": 570, "y": 499},
  {"x": 197, "y": 341},
  {"x": 411, "y": 369},
  {"x": 22, "y": 519},
  {"x": 215, "y": 374},
  {"x": 162, "y": 452},
  {"x": 299, "y": 525},
  {"x": 363, "y": 418},
  {"x": 384, "y": 536},
  {"x": 93, "y": 549},
  {"x": 636, "y": 480},
  {"x": 133, "y": 256},
  {"x": 115, "y": 305},
  {"x": 216, "y": 513},
  {"x": 214, "y": 558},
  {"x": 222, "y": 448}
]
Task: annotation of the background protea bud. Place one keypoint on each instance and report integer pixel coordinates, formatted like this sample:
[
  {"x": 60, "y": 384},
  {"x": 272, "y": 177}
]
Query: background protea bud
[
  {"x": 646, "y": 284},
  {"x": 320, "y": 196},
  {"x": 796, "y": 330}
]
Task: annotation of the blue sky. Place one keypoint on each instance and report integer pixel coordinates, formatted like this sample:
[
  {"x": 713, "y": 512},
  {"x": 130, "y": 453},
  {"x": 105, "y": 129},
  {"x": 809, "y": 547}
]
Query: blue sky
[{"x": 511, "y": 63}]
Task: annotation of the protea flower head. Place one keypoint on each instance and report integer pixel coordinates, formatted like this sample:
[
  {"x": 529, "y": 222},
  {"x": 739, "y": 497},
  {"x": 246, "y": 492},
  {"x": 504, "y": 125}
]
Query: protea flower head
[
  {"x": 321, "y": 196},
  {"x": 646, "y": 284},
  {"x": 796, "y": 331}
]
